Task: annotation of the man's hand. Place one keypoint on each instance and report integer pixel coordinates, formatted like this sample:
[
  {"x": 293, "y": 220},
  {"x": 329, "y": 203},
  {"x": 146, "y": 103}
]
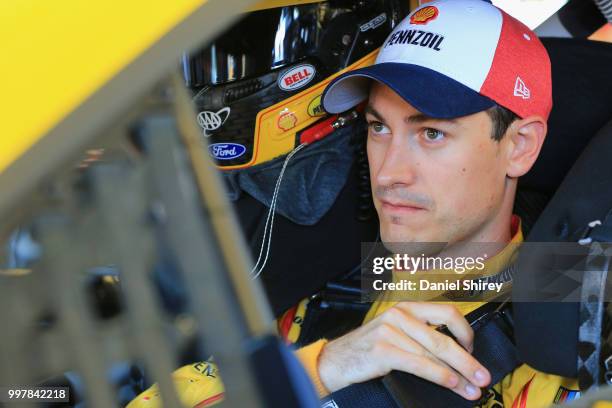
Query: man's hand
[{"x": 402, "y": 339}]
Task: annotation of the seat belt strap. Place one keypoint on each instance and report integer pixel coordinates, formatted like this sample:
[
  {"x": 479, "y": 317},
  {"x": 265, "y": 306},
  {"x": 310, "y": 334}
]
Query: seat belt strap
[
  {"x": 369, "y": 394},
  {"x": 493, "y": 347}
]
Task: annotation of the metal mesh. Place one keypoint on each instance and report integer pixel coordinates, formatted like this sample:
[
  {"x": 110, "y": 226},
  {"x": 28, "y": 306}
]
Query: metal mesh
[{"x": 91, "y": 301}]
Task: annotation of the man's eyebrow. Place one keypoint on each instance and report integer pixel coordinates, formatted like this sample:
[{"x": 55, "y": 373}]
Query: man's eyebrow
[
  {"x": 420, "y": 118},
  {"x": 412, "y": 119},
  {"x": 369, "y": 109}
]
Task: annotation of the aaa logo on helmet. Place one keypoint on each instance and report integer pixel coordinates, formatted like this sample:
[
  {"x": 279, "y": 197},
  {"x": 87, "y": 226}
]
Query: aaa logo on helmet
[
  {"x": 210, "y": 121},
  {"x": 424, "y": 15},
  {"x": 296, "y": 77},
  {"x": 226, "y": 151}
]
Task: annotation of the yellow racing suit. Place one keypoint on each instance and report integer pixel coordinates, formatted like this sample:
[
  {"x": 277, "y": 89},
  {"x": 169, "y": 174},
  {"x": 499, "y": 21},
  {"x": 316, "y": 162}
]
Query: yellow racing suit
[{"x": 525, "y": 387}]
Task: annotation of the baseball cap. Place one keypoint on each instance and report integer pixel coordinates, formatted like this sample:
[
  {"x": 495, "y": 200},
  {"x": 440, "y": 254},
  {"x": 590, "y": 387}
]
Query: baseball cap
[{"x": 452, "y": 58}]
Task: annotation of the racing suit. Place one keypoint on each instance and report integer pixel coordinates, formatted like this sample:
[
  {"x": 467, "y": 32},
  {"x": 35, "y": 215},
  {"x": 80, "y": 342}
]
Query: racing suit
[
  {"x": 198, "y": 384},
  {"x": 525, "y": 387}
]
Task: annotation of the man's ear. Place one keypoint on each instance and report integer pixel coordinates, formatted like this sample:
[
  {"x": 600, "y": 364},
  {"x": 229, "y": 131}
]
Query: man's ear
[{"x": 525, "y": 139}]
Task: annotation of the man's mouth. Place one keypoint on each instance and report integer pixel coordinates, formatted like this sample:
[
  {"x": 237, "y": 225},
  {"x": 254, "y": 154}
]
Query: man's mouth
[{"x": 401, "y": 207}]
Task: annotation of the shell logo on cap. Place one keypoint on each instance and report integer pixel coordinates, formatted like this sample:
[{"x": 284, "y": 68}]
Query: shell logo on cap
[{"x": 424, "y": 15}]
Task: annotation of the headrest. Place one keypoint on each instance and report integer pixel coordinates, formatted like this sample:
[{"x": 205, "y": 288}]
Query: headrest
[
  {"x": 582, "y": 104},
  {"x": 547, "y": 333}
]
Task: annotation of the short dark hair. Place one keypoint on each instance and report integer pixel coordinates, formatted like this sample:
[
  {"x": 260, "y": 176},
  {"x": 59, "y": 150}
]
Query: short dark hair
[{"x": 502, "y": 118}]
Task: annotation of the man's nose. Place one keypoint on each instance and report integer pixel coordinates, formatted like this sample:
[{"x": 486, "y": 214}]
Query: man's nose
[{"x": 398, "y": 167}]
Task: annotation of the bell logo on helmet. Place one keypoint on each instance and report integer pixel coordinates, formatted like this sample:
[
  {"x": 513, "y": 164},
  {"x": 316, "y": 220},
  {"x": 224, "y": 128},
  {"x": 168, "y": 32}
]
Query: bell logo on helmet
[
  {"x": 226, "y": 151},
  {"x": 210, "y": 121},
  {"x": 520, "y": 89},
  {"x": 424, "y": 15},
  {"x": 296, "y": 77}
]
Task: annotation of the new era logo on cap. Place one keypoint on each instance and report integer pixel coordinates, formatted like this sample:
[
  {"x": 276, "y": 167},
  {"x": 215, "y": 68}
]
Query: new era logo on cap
[
  {"x": 453, "y": 58},
  {"x": 520, "y": 89}
]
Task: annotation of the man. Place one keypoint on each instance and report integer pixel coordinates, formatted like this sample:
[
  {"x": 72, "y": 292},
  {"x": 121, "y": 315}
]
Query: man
[{"x": 458, "y": 103}]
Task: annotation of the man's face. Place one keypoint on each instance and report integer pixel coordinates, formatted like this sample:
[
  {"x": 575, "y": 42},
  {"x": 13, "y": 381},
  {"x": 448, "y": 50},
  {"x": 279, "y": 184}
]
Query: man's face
[{"x": 432, "y": 180}]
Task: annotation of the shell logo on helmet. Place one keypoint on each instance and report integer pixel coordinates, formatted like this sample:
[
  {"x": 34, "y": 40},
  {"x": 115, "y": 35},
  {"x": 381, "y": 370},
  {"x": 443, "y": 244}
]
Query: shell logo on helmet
[
  {"x": 424, "y": 15},
  {"x": 286, "y": 121}
]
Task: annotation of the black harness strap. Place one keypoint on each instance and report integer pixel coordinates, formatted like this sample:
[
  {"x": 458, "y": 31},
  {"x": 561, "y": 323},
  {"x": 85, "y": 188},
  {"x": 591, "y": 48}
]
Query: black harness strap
[
  {"x": 493, "y": 347},
  {"x": 370, "y": 394}
]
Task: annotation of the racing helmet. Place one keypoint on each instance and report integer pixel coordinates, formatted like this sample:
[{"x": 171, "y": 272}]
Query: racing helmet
[{"x": 258, "y": 86}]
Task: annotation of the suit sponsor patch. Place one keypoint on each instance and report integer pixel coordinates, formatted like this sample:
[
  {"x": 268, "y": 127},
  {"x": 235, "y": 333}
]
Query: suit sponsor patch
[{"x": 565, "y": 395}]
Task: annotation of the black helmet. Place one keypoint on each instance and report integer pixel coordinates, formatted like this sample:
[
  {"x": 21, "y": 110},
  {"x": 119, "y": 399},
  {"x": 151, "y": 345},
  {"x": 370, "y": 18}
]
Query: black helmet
[{"x": 258, "y": 85}]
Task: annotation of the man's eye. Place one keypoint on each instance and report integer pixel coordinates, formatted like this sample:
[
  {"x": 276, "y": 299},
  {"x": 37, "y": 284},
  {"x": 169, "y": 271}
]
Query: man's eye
[
  {"x": 433, "y": 135},
  {"x": 379, "y": 128}
]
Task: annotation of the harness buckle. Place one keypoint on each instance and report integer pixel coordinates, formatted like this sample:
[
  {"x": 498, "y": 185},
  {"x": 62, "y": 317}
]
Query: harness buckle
[
  {"x": 608, "y": 368},
  {"x": 586, "y": 239}
]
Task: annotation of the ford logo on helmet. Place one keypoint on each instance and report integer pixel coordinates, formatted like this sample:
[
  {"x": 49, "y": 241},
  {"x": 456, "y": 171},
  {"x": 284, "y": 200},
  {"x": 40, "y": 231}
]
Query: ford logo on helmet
[{"x": 226, "y": 151}]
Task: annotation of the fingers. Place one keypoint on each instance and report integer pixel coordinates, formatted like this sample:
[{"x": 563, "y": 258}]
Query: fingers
[
  {"x": 443, "y": 347},
  {"x": 429, "y": 369},
  {"x": 421, "y": 366},
  {"x": 402, "y": 339},
  {"x": 438, "y": 314}
]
